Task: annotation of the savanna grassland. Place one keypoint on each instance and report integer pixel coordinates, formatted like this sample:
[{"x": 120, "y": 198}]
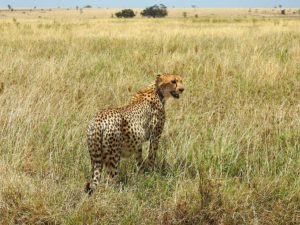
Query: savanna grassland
[{"x": 230, "y": 151}]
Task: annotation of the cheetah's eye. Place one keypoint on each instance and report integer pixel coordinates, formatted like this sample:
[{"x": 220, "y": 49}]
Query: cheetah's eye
[{"x": 173, "y": 81}]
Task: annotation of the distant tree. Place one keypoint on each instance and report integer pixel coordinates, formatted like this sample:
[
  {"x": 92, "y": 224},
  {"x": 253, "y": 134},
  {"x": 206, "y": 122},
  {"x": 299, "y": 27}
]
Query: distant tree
[
  {"x": 118, "y": 14},
  {"x": 163, "y": 6},
  {"x": 194, "y": 6},
  {"x": 184, "y": 14},
  {"x": 10, "y": 8},
  {"x": 88, "y": 6},
  {"x": 279, "y": 6},
  {"x": 125, "y": 13},
  {"x": 196, "y": 16},
  {"x": 155, "y": 11},
  {"x": 77, "y": 7}
]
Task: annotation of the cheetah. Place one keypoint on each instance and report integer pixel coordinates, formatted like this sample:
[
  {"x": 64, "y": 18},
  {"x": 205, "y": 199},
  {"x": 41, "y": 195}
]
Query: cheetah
[{"x": 120, "y": 132}]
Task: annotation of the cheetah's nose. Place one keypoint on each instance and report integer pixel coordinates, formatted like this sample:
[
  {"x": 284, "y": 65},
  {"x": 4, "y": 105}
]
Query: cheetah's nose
[{"x": 181, "y": 89}]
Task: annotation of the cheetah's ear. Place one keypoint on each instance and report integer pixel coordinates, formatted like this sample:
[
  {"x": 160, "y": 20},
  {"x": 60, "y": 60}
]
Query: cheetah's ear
[{"x": 158, "y": 79}]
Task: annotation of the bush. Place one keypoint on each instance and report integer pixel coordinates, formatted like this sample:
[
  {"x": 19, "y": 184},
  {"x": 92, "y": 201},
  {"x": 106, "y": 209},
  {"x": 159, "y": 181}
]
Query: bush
[
  {"x": 125, "y": 13},
  {"x": 155, "y": 11}
]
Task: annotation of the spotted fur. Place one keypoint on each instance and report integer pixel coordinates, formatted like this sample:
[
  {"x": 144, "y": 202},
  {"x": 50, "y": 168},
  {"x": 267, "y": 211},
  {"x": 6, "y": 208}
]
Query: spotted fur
[{"x": 121, "y": 132}]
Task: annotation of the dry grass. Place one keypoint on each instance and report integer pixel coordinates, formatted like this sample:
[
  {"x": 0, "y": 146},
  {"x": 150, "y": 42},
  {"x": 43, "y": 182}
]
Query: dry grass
[{"x": 231, "y": 144}]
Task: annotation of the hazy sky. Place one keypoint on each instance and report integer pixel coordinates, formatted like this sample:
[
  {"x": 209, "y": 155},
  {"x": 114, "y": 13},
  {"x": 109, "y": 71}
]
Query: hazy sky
[{"x": 143, "y": 3}]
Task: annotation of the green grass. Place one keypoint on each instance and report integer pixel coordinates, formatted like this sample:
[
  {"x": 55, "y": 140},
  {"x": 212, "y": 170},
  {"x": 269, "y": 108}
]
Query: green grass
[{"x": 230, "y": 150}]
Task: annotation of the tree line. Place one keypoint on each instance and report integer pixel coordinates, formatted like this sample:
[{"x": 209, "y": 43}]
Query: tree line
[{"x": 155, "y": 11}]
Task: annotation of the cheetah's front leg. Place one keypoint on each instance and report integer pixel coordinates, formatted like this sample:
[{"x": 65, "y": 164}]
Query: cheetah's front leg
[
  {"x": 139, "y": 158},
  {"x": 152, "y": 154}
]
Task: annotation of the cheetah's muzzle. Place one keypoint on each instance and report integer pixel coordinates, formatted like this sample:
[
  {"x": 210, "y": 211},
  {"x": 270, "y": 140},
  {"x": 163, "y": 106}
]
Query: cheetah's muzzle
[{"x": 174, "y": 94}]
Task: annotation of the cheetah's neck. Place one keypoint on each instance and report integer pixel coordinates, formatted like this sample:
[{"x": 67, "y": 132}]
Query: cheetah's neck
[{"x": 148, "y": 92}]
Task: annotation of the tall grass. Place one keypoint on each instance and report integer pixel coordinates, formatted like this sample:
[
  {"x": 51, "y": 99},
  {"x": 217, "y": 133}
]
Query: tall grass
[{"x": 230, "y": 150}]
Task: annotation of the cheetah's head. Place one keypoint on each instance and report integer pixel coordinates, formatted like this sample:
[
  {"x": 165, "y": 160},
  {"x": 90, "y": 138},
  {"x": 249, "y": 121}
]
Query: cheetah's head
[{"x": 170, "y": 85}]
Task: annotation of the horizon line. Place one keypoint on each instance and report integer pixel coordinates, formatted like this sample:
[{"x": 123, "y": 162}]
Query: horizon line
[{"x": 99, "y": 7}]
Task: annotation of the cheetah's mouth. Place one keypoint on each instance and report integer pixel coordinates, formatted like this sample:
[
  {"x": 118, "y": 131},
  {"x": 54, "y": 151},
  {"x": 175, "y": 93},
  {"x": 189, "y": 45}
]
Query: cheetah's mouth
[{"x": 174, "y": 94}]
